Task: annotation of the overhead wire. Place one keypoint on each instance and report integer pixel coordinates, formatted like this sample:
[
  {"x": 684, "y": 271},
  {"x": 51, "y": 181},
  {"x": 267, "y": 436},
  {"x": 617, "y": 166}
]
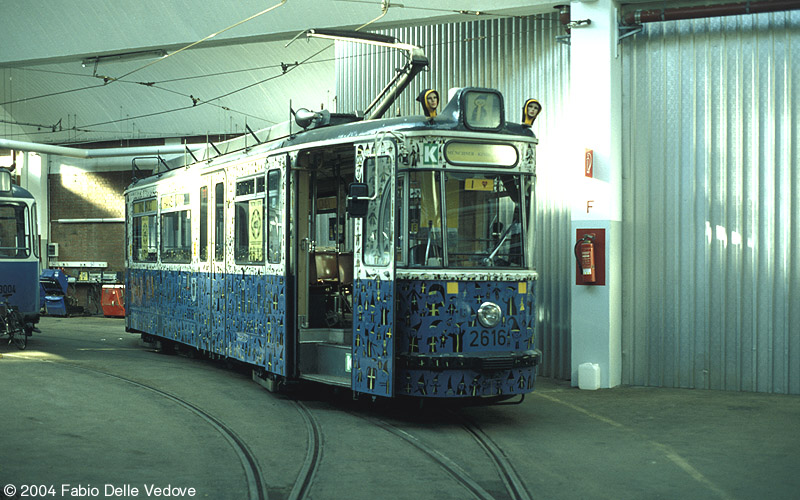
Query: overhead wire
[
  {"x": 108, "y": 79},
  {"x": 199, "y": 102},
  {"x": 194, "y": 77},
  {"x": 147, "y": 84},
  {"x": 429, "y": 9},
  {"x": 116, "y": 79},
  {"x": 203, "y": 39},
  {"x": 209, "y": 101},
  {"x": 196, "y": 101},
  {"x": 286, "y": 69}
]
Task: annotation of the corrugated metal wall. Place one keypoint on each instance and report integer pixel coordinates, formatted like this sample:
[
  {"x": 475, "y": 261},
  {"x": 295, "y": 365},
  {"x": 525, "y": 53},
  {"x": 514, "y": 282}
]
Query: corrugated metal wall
[
  {"x": 520, "y": 57},
  {"x": 711, "y": 266}
]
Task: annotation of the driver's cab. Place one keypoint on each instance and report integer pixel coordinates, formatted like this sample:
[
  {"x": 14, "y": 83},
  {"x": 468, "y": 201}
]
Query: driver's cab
[{"x": 460, "y": 218}]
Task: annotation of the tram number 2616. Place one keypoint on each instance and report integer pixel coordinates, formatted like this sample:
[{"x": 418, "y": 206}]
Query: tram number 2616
[{"x": 485, "y": 338}]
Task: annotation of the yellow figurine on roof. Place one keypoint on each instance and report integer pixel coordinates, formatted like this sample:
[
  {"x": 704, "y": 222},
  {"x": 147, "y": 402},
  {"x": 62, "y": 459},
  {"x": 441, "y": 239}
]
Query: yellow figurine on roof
[
  {"x": 429, "y": 98},
  {"x": 530, "y": 111}
]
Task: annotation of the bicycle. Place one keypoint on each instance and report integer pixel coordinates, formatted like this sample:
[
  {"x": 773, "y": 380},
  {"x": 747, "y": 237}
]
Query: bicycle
[{"x": 12, "y": 324}]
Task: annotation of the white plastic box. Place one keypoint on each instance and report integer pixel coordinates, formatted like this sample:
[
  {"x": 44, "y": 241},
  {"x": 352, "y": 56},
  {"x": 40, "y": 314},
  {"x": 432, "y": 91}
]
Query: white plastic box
[{"x": 589, "y": 376}]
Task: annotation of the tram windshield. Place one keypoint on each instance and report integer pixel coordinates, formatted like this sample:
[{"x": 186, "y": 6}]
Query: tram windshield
[
  {"x": 466, "y": 219},
  {"x": 15, "y": 241}
]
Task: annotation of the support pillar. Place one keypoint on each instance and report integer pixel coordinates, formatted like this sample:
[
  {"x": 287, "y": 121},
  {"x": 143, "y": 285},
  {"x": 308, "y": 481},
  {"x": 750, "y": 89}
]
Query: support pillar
[{"x": 597, "y": 204}]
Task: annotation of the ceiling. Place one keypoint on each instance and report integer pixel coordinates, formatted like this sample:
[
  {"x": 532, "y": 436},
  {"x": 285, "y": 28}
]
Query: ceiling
[{"x": 51, "y": 90}]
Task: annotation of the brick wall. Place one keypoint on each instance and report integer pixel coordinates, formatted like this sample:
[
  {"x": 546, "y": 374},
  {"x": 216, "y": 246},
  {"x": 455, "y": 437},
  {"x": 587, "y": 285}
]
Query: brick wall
[{"x": 89, "y": 195}]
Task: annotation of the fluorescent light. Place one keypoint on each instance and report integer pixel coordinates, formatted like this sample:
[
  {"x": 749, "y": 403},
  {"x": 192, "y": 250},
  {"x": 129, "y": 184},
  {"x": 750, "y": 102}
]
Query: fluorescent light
[
  {"x": 125, "y": 56},
  {"x": 355, "y": 36}
]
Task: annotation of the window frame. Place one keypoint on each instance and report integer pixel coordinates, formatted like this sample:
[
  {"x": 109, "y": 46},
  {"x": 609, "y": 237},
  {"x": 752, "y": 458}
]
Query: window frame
[
  {"x": 172, "y": 207},
  {"x": 24, "y": 251},
  {"x": 151, "y": 213}
]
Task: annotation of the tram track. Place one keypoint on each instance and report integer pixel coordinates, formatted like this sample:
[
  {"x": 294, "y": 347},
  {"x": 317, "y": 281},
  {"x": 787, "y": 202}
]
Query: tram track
[
  {"x": 452, "y": 468},
  {"x": 513, "y": 482},
  {"x": 302, "y": 485},
  {"x": 301, "y": 488},
  {"x": 256, "y": 488},
  {"x": 514, "y": 485}
]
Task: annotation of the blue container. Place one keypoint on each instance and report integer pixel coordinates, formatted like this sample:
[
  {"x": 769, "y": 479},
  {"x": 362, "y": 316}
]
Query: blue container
[
  {"x": 55, "y": 305},
  {"x": 53, "y": 283}
]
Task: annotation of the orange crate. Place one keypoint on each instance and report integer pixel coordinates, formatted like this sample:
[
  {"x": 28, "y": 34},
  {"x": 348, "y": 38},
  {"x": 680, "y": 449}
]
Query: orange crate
[{"x": 113, "y": 300}]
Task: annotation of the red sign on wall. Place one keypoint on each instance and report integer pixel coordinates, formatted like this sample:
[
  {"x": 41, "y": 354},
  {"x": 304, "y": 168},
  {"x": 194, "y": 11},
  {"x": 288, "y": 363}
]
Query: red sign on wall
[{"x": 589, "y": 169}]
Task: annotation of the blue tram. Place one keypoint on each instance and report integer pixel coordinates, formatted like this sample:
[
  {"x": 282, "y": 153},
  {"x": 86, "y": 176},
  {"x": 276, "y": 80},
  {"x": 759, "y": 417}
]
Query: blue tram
[
  {"x": 388, "y": 256},
  {"x": 19, "y": 249}
]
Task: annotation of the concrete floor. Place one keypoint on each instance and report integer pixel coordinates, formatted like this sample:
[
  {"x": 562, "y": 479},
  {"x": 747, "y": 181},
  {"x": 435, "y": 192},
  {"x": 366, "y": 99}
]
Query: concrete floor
[{"x": 74, "y": 415}]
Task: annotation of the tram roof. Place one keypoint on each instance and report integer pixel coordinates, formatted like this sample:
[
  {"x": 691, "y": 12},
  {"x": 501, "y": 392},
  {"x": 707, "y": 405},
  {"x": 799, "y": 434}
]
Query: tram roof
[
  {"x": 401, "y": 124},
  {"x": 452, "y": 118},
  {"x": 17, "y": 192},
  {"x": 342, "y": 127}
]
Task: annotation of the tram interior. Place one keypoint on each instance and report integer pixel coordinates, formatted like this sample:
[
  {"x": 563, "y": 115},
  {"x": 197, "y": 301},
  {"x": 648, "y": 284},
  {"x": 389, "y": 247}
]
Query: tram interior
[{"x": 324, "y": 263}]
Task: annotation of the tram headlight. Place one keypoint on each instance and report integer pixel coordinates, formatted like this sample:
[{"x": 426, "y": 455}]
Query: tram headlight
[{"x": 489, "y": 314}]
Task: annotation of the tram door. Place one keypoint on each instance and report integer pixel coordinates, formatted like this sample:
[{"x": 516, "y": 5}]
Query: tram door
[
  {"x": 217, "y": 253},
  {"x": 373, "y": 286},
  {"x": 321, "y": 264}
]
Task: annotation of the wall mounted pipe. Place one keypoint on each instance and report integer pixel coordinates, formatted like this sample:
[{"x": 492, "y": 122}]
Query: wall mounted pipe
[
  {"x": 641, "y": 16},
  {"x": 110, "y": 164},
  {"x": 90, "y": 221},
  {"x": 97, "y": 153}
]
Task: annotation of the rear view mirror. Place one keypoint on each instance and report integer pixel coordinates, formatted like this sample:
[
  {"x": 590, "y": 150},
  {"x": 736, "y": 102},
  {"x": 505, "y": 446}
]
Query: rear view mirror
[
  {"x": 5, "y": 181},
  {"x": 357, "y": 199}
]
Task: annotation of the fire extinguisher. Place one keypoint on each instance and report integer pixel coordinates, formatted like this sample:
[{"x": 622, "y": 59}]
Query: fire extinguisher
[{"x": 584, "y": 254}]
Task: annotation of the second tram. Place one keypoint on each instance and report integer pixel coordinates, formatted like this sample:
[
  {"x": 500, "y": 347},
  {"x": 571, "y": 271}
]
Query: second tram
[{"x": 19, "y": 250}]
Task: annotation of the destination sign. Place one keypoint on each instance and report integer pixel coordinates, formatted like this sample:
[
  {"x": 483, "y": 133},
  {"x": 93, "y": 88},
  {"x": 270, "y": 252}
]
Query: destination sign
[{"x": 473, "y": 153}]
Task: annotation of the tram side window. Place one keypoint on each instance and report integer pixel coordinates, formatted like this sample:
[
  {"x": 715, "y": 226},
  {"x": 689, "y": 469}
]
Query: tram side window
[
  {"x": 249, "y": 223},
  {"x": 379, "y": 223},
  {"x": 425, "y": 219},
  {"x": 35, "y": 224},
  {"x": 176, "y": 237},
  {"x": 176, "y": 230},
  {"x": 399, "y": 247},
  {"x": 203, "y": 223},
  {"x": 14, "y": 233},
  {"x": 219, "y": 221},
  {"x": 275, "y": 228},
  {"x": 145, "y": 231}
]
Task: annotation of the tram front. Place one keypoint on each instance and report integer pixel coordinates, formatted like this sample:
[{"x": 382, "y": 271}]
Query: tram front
[
  {"x": 458, "y": 298},
  {"x": 19, "y": 249}
]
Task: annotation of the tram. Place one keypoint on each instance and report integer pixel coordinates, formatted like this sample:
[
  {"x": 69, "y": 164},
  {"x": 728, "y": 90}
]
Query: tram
[
  {"x": 389, "y": 256},
  {"x": 19, "y": 250}
]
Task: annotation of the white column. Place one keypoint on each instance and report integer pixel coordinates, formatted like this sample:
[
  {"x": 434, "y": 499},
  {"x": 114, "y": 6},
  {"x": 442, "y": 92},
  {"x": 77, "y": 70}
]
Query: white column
[{"x": 596, "y": 120}]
